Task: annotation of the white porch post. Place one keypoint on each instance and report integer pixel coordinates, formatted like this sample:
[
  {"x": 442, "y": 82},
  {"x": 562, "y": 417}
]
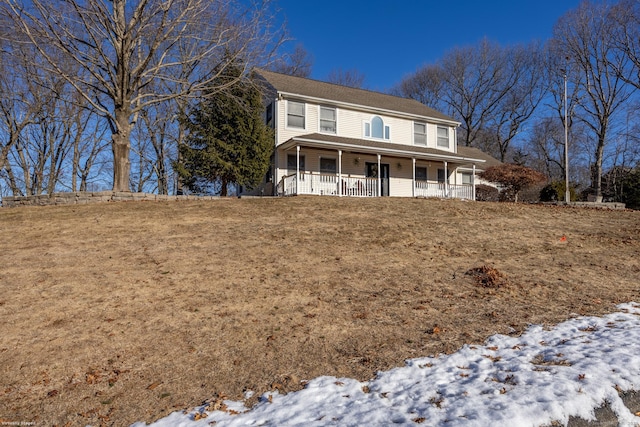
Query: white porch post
[
  {"x": 446, "y": 180},
  {"x": 379, "y": 181},
  {"x": 473, "y": 183},
  {"x": 339, "y": 172},
  {"x": 297, "y": 166},
  {"x": 413, "y": 178}
]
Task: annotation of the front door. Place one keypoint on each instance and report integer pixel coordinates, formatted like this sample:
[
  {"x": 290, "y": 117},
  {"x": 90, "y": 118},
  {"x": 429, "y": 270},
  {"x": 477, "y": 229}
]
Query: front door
[{"x": 372, "y": 172}]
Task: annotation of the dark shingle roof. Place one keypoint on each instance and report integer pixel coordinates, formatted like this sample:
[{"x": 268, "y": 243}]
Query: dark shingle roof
[
  {"x": 374, "y": 146},
  {"x": 333, "y": 92},
  {"x": 478, "y": 154}
]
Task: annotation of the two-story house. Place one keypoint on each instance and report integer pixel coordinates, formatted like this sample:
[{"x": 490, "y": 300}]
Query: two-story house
[{"x": 342, "y": 141}]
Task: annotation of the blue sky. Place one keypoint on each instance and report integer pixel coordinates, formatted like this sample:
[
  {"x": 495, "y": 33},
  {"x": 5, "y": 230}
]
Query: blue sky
[{"x": 388, "y": 39}]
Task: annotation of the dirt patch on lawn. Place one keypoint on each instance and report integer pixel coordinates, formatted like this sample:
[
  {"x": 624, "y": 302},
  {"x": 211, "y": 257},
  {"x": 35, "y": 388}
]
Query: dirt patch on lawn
[{"x": 125, "y": 312}]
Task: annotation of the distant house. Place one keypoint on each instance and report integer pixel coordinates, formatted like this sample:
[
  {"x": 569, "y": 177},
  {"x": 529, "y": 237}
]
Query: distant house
[{"x": 341, "y": 141}]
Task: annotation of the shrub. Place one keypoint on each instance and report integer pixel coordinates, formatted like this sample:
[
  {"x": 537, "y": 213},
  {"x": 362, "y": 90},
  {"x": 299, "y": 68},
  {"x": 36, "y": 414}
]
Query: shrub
[
  {"x": 554, "y": 192},
  {"x": 487, "y": 193},
  {"x": 513, "y": 178}
]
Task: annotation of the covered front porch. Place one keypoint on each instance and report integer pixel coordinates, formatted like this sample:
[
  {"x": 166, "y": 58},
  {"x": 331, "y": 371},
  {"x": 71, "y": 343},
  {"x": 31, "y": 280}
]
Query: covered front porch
[
  {"x": 319, "y": 184},
  {"x": 347, "y": 168}
]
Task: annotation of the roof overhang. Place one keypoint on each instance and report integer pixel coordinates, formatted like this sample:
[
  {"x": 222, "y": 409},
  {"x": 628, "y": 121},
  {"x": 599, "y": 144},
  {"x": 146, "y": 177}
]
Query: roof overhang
[
  {"x": 393, "y": 113},
  {"x": 354, "y": 145}
]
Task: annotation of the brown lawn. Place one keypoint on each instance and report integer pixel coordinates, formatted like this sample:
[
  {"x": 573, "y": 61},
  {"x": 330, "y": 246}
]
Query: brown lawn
[{"x": 124, "y": 312}]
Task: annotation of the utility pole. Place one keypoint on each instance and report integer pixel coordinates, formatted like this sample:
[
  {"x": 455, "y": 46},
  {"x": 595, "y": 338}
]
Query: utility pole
[{"x": 567, "y": 193}]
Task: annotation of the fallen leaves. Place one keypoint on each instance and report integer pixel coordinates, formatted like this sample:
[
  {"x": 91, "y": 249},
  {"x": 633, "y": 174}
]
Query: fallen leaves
[{"x": 488, "y": 277}]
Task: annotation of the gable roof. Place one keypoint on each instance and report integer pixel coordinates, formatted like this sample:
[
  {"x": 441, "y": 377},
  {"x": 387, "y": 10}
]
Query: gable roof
[{"x": 330, "y": 92}]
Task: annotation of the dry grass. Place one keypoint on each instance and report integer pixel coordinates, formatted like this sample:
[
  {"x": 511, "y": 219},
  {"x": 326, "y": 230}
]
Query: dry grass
[{"x": 125, "y": 312}]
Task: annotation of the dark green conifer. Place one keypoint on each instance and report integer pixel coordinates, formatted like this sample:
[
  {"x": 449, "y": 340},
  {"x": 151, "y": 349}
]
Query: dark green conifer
[{"x": 228, "y": 141}]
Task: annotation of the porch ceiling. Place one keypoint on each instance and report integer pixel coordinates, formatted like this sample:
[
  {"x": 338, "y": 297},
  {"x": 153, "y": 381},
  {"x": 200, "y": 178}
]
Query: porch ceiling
[{"x": 354, "y": 145}]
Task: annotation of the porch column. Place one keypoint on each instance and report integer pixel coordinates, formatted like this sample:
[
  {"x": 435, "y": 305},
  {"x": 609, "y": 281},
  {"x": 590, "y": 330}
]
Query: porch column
[
  {"x": 297, "y": 166},
  {"x": 379, "y": 181},
  {"x": 473, "y": 183},
  {"x": 446, "y": 180},
  {"x": 413, "y": 179},
  {"x": 339, "y": 172}
]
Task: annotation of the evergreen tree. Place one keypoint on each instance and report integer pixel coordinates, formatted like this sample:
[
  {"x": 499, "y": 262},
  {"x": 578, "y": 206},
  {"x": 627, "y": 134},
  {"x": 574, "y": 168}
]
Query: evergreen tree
[
  {"x": 631, "y": 185},
  {"x": 228, "y": 141}
]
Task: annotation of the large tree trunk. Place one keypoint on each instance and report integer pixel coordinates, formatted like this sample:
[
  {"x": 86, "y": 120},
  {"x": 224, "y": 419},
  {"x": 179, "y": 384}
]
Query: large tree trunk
[
  {"x": 597, "y": 177},
  {"x": 121, "y": 147}
]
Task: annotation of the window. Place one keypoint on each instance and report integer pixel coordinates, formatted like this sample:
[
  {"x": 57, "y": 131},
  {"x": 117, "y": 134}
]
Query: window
[
  {"x": 466, "y": 178},
  {"x": 327, "y": 120},
  {"x": 269, "y": 115},
  {"x": 441, "y": 176},
  {"x": 421, "y": 173},
  {"x": 443, "y": 137},
  {"x": 327, "y": 165},
  {"x": 377, "y": 129},
  {"x": 291, "y": 163},
  {"x": 295, "y": 114},
  {"x": 419, "y": 133}
]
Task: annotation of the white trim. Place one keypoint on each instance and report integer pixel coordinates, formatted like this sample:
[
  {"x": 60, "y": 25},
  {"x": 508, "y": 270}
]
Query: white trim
[
  {"x": 360, "y": 107},
  {"x": 413, "y": 134},
  {"x": 385, "y": 127},
  {"x": 297, "y": 167},
  {"x": 339, "y": 172},
  {"x": 335, "y": 110},
  {"x": 446, "y": 179},
  {"x": 286, "y": 115},
  {"x": 438, "y": 137},
  {"x": 302, "y": 154},
  {"x": 473, "y": 182},
  {"x": 413, "y": 178},
  {"x": 379, "y": 178},
  {"x": 352, "y": 147}
]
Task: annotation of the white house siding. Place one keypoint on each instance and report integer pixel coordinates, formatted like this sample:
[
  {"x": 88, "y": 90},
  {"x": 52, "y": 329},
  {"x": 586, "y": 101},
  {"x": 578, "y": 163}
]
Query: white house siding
[
  {"x": 350, "y": 124},
  {"x": 355, "y": 165}
]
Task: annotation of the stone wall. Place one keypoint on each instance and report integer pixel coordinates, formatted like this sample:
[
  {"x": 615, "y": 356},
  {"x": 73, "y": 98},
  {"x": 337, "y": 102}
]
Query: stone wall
[{"x": 83, "y": 198}]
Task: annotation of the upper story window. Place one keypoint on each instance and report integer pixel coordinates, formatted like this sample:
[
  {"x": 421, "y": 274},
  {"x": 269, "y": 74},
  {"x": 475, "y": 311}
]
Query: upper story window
[
  {"x": 420, "y": 133},
  {"x": 376, "y": 129},
  {"x": 443, "y": 136},
  {"x": 295, "y": 114},
  {"x": 328, "y": 120}
]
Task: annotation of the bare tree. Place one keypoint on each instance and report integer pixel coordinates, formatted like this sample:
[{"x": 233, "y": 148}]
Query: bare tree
[
  {"x": 122, "y": 46},
  {"x": 350, "y": 78},
  {"x": 626, "y": 39},
  {"x": 492, "y": 90},
  {"x": 297, "y": 63},
  {"x": 425, "y": 86},
  {"x": 18, "y": 108},
  {"x": 584, "y": 36},
  {"x": 526, "y": 89}
]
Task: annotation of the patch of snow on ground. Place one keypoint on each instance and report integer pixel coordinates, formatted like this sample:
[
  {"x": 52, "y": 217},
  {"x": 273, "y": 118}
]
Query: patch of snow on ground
[{"x": 530, "y": 380}]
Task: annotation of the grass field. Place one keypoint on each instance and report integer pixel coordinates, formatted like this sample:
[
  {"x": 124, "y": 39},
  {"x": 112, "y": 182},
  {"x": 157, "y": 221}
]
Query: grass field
[{"x": 121, "y": 312}]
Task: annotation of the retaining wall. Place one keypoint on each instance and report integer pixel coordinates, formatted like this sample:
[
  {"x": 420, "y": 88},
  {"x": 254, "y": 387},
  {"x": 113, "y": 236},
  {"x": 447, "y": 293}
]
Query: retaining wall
[{"x": 83, "y": 198}]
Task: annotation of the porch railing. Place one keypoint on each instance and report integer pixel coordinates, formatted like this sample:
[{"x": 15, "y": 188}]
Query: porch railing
[
  {"x": 430, "y": 189},
  {"x": 442, "y": 190},
  {"x": 329, "y": 184},
  {"x": 359, "y": 187}
]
